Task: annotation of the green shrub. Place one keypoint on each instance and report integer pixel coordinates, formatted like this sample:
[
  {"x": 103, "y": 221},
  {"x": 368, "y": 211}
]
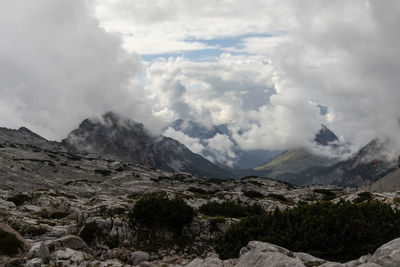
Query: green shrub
[
  {"x": 279, "y": 198},
  {"x": 253, "y": 194},
  {"x": 159, "y": 211},
  {"x": 112, "y": 242},
  {"x": 214, "y": 224},
  {"x": 363, "y": 196},
  {"x": 202, "y": 191},
  {"x": 327, "y": 194},
  {"x": 230, "y": 209},
  {"x": 337, "y": 232},
  {"x": 9, "y": 244}
]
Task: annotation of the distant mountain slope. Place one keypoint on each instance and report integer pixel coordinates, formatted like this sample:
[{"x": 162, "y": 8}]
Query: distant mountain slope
[
  {"x": 25, "y": 136},
  {"x": 121, "y": 139},
  {"x": 361, "y": 169},
  {"x": 294, "y": 161}
]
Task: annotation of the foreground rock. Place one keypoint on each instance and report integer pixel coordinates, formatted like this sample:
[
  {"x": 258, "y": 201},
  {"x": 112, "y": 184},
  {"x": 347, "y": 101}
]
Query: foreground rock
[
  {"x": 259, "y": 254},
  {"x": 12, "y": 244}
]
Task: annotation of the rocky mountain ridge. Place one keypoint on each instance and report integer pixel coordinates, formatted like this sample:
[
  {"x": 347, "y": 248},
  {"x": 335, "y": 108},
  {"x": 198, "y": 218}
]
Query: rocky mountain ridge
[{"x": 113, "y": 137}]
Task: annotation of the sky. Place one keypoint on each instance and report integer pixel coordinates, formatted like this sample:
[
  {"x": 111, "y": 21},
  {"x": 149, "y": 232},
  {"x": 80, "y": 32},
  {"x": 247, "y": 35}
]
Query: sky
[{"x": 273, "y": 70}]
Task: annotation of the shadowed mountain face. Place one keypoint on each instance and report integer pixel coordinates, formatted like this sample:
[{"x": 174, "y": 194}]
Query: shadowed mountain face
[{"x": 120, "y": 139}]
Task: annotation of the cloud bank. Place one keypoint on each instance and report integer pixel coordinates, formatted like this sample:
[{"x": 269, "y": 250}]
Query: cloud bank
[
  {"x": 265, "y": 67},
  {"x": 342, "y": 55},
  {"x": 57, "y": 67}
]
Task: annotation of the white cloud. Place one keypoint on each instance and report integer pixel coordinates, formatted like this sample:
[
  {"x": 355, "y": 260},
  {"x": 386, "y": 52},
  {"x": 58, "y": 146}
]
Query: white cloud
[
  {"x": 218, "y": 149},
  {"x": 340, "y": 54},
  {"x": 222, "y": 149},
  {"x": 170, "y": 25},
  {"x": 192, "y": 143},
  {"x": 209, "y": 91},
  {"x": 57, "y": 67}
]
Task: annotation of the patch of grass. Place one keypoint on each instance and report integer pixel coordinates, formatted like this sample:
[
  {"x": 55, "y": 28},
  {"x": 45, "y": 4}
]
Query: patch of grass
[
  {"x": 282, "y": 199},
  {"x": 230, "y": 209},
  {"x": 253, "y": 194},
  {"x": 363, "y": 196},
  {"x": 255, "y": 183},
  {"x": 134, "y": 195},
  {"x": 217, "y": 181},
  {"x": 202, "y": 191},
  {"x": 327, "y": 194}
]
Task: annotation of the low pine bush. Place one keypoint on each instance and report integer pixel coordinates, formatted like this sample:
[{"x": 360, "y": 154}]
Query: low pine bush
[
  {"x": 337, "y": 232},
  {"x": 230, "y": 209},
  {"x": 159, "y": 211}
]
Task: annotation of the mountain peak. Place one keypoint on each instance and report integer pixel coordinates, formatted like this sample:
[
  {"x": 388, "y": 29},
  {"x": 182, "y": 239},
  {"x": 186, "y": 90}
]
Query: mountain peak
[
  {"x": 325, "y": 136},
  {"x": 115, "y": 137}
]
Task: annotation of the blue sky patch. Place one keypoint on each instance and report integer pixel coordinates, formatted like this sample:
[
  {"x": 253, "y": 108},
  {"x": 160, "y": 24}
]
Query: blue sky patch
[{"x": 217, "y": 47}]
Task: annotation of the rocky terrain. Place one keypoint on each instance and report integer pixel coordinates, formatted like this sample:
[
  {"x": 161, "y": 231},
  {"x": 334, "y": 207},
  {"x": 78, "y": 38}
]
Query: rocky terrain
[{"x": 52, "y": 201}]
